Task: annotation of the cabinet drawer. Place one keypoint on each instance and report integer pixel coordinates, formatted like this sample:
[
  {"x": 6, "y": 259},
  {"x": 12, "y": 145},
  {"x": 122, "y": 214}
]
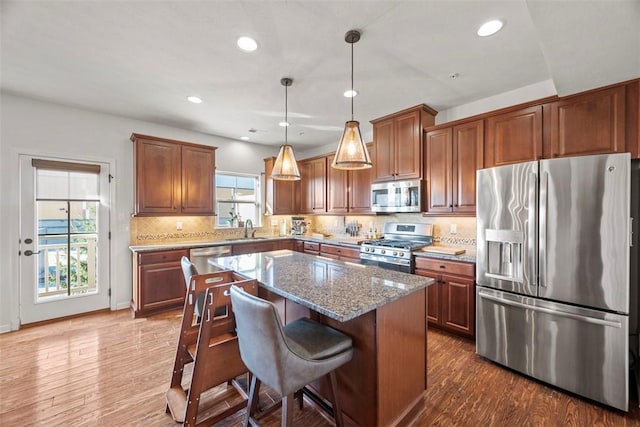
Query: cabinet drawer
[
  {"x": 446, "y": 267},
  {"x": 341, "y": 251},
  {"x": 160, "y": 257},
  {"x": 312, "y": 246}
]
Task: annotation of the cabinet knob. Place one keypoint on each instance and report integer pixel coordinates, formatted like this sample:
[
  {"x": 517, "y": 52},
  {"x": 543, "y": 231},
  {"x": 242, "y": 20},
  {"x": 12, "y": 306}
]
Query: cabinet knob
[
  {"x": 450, "y": 206},
  {"x": 442, "y": 266}
]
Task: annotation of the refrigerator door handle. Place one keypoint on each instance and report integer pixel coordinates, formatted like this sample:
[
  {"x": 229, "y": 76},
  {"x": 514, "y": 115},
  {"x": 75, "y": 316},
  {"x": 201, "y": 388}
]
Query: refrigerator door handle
[
  {"x": 544, "y": 196},
  {"x": 532, "y": 249},
  {"x": 593, "y": 320}
]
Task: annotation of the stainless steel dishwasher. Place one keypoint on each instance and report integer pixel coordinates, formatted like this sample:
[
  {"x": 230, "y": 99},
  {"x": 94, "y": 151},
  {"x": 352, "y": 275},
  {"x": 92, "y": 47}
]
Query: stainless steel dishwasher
[{"x": 200, "y": 256}]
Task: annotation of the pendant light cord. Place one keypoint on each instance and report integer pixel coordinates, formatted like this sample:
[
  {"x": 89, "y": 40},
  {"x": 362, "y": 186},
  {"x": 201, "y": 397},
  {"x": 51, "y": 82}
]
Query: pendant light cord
[
  {"x": 352, "y": 92},
  {"x": 286, "y": 119}
]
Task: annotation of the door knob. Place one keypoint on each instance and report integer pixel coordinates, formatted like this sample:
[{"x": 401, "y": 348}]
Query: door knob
[{"x": 29, "y": 252}]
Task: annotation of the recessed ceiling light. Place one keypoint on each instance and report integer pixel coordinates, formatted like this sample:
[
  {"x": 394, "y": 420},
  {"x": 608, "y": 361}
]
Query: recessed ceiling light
[
  {"x": 194, "y": 99},
  {"x": 489, "y": 28},
  {"x": 247, "y": 44},
  {"x": 283, "y": 124},
  {"x": 244, "y": 138},
  {"x": 350, "y": 93}
]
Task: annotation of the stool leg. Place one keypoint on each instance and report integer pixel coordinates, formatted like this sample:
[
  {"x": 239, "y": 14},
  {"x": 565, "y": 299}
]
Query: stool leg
[
  {"x": 254, "y": 392},
  {"x": 337, "y": 413},
  {"x": 287, "y": 410}
]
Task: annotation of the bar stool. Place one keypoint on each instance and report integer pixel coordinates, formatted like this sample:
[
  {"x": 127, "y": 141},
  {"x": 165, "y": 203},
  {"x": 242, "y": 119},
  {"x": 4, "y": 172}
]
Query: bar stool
[{"x": 286, "y": 359}]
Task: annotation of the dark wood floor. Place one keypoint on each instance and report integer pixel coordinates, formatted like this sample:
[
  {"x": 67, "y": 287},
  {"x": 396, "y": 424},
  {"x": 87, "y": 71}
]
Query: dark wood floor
[{"x": 108, "y": 369}]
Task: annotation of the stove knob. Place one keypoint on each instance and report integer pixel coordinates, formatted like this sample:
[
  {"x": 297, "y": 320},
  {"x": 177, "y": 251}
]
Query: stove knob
[
  {"x": 367, "y": 249},
  {"x": 395, "y": 253},
  {"x": 401, "y": 254},
  {"x": 382, "y": 251}
]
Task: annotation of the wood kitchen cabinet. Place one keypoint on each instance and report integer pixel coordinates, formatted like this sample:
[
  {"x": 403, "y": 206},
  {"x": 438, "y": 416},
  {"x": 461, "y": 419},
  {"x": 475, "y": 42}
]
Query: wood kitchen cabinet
[
  {"x": 254, "y": 247},
  {"x": 158, "y": 282},
  {"x": 173, "y": 177},
  {"x": 633, "y": 118},
  {"x": 281, "y": 197},
  {"x": 342, "y": 253},
  {"x": 348, "y": 191},
  {"x": 514, "y": 137},
  {"x": 451, "y": 157},
  {"x": 397, "y": 143},
  {"x": 313, "y": 185},
  {"x": 451, "y": 300},
  {"x": 312, "y": 248},
  {"x": 588, "y": 123}
]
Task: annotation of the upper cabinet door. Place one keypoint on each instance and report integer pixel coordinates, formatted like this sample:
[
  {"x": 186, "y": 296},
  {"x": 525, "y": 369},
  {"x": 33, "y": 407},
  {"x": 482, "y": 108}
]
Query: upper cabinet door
[
  {"x": 514, "y": 137},
  {"x": 397, "y": 143},
  {"x": 337, "y": 189},
  {"x": 438, "y": 158},
  {"x": 313, "y": 185},
  {"x": 281, "y": 197},
  {"x": 360, "y": 188},
  {"x": 173, "y": 177},
  {"x": 407, "y": 150},
  {"x": 468, "y": 143},
  {"x": 384, "y": 150},
  {"x": 198, "y": 174},
  {"x": 157, "y": 178},
  {"x": 590, "y": 123}
]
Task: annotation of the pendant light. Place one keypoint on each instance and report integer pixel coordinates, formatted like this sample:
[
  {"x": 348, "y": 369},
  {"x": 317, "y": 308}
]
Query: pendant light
[
  {"x": 352, "y": 154},
  {"x": 285, "y": 167}
]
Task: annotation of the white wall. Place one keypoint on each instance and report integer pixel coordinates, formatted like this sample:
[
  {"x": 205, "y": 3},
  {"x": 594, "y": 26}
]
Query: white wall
[
  {"x": 507, "y": 99},
  {"x": 34, "y": 127}
]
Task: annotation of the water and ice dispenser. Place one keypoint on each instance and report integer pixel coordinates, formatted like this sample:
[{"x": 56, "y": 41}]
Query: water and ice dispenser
[{"x": 504, "y": 254}]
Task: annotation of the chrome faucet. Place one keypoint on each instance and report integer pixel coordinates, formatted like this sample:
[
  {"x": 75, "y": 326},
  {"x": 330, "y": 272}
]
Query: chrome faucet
[{"x": 248, "y": 223}]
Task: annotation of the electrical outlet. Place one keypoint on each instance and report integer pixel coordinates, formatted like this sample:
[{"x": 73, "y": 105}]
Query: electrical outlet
[
  {"x": 453, "y": 229},
  {"x": 178, "y": 225}
]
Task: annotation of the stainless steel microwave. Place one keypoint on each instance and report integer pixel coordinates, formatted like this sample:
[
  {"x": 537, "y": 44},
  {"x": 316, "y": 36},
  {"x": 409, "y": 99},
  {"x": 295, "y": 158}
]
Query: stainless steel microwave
[{"x": 397, "y": 196}]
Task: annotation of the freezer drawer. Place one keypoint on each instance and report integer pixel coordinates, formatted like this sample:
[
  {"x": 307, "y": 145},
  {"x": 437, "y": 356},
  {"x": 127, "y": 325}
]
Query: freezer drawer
[{"x": 580, "y": 350}]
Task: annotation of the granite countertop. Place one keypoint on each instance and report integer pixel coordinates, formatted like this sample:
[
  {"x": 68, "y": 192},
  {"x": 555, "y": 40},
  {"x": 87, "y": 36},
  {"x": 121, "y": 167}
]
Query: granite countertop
[
  {"x": 201, "y": 243},
  {"x": 468, "y": 256},
  {"x": 345, "y": 241},
  {"x": 353, "y": 242},
  {"x": 339, "y": 290}
]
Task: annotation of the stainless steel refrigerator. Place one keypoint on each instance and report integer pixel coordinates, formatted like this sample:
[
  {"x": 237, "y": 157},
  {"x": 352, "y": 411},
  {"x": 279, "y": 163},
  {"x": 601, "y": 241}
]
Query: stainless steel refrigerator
[{"x": 553, "y": 295}]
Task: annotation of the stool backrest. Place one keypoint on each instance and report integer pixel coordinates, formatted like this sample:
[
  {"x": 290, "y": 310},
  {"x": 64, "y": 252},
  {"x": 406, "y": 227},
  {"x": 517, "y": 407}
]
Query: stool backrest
[
  {"x": 262, "y": 344},
  {"x": 188, "y": 269}
]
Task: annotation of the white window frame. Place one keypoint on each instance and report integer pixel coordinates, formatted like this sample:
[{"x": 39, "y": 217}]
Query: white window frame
[{"x": 256, "y": 203}]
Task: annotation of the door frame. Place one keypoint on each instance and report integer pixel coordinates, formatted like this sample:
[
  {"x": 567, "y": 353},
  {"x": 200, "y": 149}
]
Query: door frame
[{"x": 12, "y": 303}]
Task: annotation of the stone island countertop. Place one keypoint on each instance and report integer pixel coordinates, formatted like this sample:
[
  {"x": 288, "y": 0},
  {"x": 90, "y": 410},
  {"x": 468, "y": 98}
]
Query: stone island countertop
[{"x": 339, "y": 290}]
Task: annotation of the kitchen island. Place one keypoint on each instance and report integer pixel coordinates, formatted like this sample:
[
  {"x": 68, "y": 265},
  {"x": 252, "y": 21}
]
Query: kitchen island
[{"x": 383, "y": 311}]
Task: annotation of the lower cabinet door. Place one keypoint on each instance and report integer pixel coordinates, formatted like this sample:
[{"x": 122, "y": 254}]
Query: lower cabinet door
[
  {"x": 161, "y": 286},
  {"x": 458, "y": 304},
  {"x": 433, "y": 301}
]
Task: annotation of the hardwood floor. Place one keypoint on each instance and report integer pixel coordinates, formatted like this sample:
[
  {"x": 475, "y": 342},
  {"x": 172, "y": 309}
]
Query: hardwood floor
[{"x": 109, "y": 369}]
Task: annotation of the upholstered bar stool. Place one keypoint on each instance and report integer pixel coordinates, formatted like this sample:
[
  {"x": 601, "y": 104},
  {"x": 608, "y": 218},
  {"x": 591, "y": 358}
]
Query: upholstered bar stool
[{"x": 286, "y": 358}]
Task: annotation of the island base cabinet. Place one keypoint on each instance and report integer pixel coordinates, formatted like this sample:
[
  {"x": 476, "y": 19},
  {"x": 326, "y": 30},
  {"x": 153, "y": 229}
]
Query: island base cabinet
[
  {"x": 158, "y": 282},
  {"x": 384, "y": 383}
]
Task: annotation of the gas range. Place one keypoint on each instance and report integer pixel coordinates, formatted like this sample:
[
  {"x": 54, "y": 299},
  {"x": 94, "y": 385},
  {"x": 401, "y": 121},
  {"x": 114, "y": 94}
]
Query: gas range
[{"x": 394, "y": 251}]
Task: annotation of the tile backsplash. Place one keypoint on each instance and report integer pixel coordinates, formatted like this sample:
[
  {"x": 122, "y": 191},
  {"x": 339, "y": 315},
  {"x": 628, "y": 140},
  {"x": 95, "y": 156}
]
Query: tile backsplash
[
  {"x": 159, "y": 230},
  {"x": 153, "y": 230},
  {"x": 464, "y": 227}
]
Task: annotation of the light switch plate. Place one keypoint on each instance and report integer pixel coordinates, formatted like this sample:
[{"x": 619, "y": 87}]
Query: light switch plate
[
  {"x": 453, "y": 229},
  {"x": 178, "y": 225}
]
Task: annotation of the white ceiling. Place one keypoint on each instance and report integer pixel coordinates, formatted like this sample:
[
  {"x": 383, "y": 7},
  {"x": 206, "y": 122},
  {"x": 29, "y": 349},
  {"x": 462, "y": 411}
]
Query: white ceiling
[{"x": 141, "y": 59}]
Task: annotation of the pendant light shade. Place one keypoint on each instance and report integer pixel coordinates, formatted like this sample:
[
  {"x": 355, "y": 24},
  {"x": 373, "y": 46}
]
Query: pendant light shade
[
  {"x": 352, "y": 153},
  {"x": 285, "y": 167}
]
